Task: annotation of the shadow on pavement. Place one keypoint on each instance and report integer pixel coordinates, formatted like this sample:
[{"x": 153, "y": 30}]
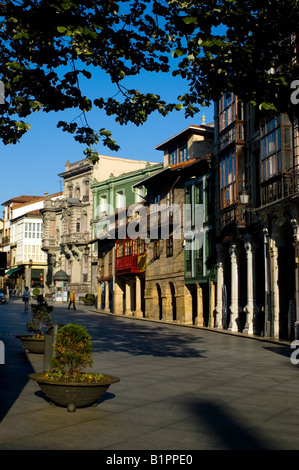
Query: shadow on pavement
[
  {"x": 229, "y": 432},
  {"x": 134, "y": 338},
  {"x": 13, "y": 374}
]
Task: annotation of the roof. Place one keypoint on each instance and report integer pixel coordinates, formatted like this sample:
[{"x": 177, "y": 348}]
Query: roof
[
  {"x": 172, "y": 168},
  {"x": 23, "y": 200},
  {"x": 201, "y": 129}
]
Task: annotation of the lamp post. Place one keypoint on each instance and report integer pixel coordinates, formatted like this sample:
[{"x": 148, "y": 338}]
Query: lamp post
[{"x": 29, "y": 274}]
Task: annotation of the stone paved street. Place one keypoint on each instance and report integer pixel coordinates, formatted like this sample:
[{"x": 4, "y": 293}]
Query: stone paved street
[{"x": 180, "y": 388}]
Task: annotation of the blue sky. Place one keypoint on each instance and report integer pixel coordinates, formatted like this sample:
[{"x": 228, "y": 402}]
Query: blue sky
[{"x": 32, "y": 166}]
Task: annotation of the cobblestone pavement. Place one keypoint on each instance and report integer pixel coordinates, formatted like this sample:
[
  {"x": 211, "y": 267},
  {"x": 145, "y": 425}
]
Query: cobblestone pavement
[{"x": 180, "y": 388}]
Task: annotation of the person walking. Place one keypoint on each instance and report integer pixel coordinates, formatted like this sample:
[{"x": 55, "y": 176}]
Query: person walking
[
  {"x": 72, "y": 300},
  {"x": 7, "y": 294},
  {"x": 26, "y": 298}
]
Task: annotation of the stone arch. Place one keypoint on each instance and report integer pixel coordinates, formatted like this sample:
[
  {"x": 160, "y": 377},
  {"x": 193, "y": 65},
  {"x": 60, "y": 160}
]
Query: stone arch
[
  {"x": 173, "y": 304},
  {"x": 282, "y": 235},
  {"x": 158, "y": 293}
]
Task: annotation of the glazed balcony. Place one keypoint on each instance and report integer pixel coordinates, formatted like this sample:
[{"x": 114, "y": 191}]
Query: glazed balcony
[
  {"x": 283, "y": 185},
  {"x": 233, "y": 216},
  {"x": 129, "y": 257}
]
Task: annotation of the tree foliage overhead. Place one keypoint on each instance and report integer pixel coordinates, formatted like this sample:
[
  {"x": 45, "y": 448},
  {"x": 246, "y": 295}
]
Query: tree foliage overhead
[{"x": 216, "y": 46}]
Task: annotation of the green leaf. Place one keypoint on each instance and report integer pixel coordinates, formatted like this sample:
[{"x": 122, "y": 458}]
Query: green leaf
[
  {"x": 190, "y": 19},
  {"x": 177, "y": 53}
]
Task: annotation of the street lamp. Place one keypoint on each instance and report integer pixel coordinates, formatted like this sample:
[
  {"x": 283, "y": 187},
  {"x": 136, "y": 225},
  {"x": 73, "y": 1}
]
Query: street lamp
[{"x": 244, "y": 196}]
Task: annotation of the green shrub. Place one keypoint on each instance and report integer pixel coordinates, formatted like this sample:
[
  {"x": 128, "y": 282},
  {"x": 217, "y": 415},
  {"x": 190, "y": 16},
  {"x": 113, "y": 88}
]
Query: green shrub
[
  {"x": 41, "y": 315},
  {"x": 89, "y": 299},
  {"x": 35, "y": 292},
  {"x": 72, "y": 350}
]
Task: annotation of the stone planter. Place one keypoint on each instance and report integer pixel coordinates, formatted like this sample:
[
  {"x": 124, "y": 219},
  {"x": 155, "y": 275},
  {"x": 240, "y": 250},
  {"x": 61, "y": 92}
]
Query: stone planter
[
  {"x": 72, "y": 395},
  {"x": 32, "y": 345}
]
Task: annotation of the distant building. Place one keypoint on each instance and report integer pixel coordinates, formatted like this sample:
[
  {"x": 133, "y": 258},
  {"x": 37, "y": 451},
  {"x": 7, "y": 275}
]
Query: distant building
[
  {"x": 22, "y": 242},
  {"x": 69, "y": 221}
]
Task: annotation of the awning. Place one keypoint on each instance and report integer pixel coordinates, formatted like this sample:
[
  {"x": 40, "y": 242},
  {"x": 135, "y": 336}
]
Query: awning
[{"x": 14, "y": 270}]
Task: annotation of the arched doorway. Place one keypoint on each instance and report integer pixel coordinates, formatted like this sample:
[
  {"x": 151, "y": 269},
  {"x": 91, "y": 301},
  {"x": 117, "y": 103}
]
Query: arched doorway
[
  {"x": 159, "y": 301},
  {"x": 173, "y": 301},
  {"x": 283, "y": 236}
]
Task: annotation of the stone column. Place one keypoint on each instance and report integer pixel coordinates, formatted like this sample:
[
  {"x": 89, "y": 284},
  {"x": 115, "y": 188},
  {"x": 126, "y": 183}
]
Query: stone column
[
  {"x": 250, "y": 307},
  {"x": 138, "y": 311},
  {"x": 99, "y": 296},
  {"x": 220, "y": 282},
  {"x": 128, "y": 299},
  {"x": 234, "y": 306},
  {"x": 118, "y": 298},
  {"x": 106, "y": 309},
  {"x": 267, "y": 284},
  {"x": 212, "y": 303},
  {"x": 275, "y": 289},
  {"x": 296, "y": 246},
  {"x": 199, "y": 320}
]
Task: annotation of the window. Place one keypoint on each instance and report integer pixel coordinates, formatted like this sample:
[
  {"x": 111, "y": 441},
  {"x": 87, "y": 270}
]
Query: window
[
  {"x": 271, "y": 148},
  {"x": 52, "y": 228},
  {"x": 228, "y": 179},
  {"x": 78, "y": 226},
  {"x": 173, "y": 156},
  {"x": 70, "y": 191},
  {"x": 194, "y": 199},
  {"x": 183, "y": 153},
  {"x": 199, "y": 261},
  {"x": 120, "y": 249},
  {"x": 157, "y": 199},
  {"x": 35, "y": 230},
  {"x": 156, "y": 249},
  {"x": 86, "y": 191},
  {"x": 227, "y": 110},
  {"x": 120, "y": 200},
  {"x": 103, "y": 204},
  {"x": 127, "y": 247},
  {"x": 169, "y": 246}
]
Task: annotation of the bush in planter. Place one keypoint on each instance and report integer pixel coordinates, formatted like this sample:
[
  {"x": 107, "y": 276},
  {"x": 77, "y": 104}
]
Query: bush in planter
[
  {"x": 35, "y": 292},
  {"x": 72, "y": 350},
  {"x": 89, "y": 299},
  {"x": 73, "y": 353},
  {"x": 41, "y": 315},
  {"x": 67, "y": 384}
]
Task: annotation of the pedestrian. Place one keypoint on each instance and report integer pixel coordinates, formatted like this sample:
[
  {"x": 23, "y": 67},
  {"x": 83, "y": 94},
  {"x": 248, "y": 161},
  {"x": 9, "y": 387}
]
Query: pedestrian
[
  {"x": 72, "y": 300},
  {"x": 7, "y": 294},
  {"x": 26, "y": 298}
]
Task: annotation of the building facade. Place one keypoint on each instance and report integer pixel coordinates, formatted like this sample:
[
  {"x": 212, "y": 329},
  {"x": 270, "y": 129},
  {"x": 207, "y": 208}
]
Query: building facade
[
  {"x": 68, "y": 225},
  {"x": 120, "y": 256},
  {"x": 22, "y": 243},
  {"x": 256, "y": 165},
  {"x": 179, "y": 283}
]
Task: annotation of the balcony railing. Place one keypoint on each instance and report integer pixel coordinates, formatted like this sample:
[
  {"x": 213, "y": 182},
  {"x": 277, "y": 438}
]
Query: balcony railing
[
  {"x": 280, "y": 186},
  {"x": 233, "y": 216},
  {"x": 78, "y": 238}
]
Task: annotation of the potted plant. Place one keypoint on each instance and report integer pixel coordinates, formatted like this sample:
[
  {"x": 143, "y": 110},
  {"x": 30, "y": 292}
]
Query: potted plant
[
  {"x": 41, "y": 316},
  {"x": 89, "y": 299},
  {"x": 35, "y": 292},
  {"x": 68, "y": 384}
]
